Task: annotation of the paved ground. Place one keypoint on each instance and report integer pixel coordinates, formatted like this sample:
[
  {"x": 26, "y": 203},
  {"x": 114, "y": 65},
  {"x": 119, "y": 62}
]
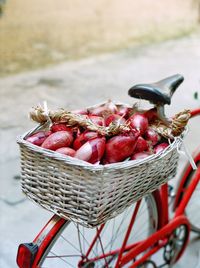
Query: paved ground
[{"x": 79, "y": 84}]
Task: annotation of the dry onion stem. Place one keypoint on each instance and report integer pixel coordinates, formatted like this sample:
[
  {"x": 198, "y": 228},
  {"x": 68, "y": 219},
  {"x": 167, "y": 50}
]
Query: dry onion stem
[
  {"x": 177, "y": 126},
  {"x": 61, "y": 116}
]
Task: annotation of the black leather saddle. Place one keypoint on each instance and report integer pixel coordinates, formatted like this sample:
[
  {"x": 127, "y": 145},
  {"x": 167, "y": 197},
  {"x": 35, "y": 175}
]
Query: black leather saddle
[{"x": 159, "y": 93}]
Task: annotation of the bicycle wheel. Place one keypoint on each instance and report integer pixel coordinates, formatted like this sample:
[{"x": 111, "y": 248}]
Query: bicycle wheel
[
  {"x": 72, "y": 245},
  {"x": 193, "y": 206}
]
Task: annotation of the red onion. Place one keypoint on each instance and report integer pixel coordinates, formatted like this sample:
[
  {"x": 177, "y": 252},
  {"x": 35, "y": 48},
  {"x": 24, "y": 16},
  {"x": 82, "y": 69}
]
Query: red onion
[
  {"x": 141, "y": 145},
  {"x": 107, "y": 108},
  {"x": 123, "y": 111},
  {"x": 78, "y": 132},
  {"x": 114, "y": 118},
  {"x": 139, "y": 122},
  {"x": 111, "y": 107},
  {"x": 39, "y": 137},
  {"x": 118, "y": 148},
  {"x": 152, "y": 136},
  {"x": 160, "y": 147},
  {"x": 98, "y": 111},
  {"x": 58, "y": 127},
  {"x": 57, "y": 140},
  {"x": 92, "y": 151},
  {"x": 140, "y": 155},
  {"x": 66, "y": 151},
  {"x": 97, "y": 120},
  {"x": 151, "y": 114},
  {"x": 81, "y": 111},
  {"x": 83, "y": 138}
]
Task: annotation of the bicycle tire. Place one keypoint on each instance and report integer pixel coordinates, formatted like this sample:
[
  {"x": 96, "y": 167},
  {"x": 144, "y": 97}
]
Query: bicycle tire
[
  {"x": 46, "y": 252},
  {"x": 193, "y": 205}
]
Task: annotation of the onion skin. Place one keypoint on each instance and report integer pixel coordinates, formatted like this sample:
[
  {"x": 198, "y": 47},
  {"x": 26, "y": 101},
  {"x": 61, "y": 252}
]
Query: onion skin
[
  {"x": 151, "y": 114},
  {"x": 39, "y": 137},
  {"x": 98, "y": 120},
  {"x": 92, "y": 151},
  {"x": 58, "y": 127},
  {"x": 98, "y": 111},
  {"x": 140, "y": 155},
  {"x": 57, "y": 140},
  {"x": 152, "y": 136},
  {"x": 160, "y": 147},
  {"x": 83, "y": 138},
  {"x": 107, "y": 108},
  {"x": 139, "y": 122},
  {"x": 114, "y": 118},
  {"x": 141, "y": 145},
  {"x": 81, "y": 111},
  {"x": 118, "y": 148},
  {"x": 111, "y": 107},
  {"x": 123, "y": 111},
  {"x": 66, "y": 151}
]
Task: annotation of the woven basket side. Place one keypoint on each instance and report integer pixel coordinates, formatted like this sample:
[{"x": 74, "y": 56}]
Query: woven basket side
[
  {"x": 88, "y": 194},
  {"x": 127, "y": 187}
]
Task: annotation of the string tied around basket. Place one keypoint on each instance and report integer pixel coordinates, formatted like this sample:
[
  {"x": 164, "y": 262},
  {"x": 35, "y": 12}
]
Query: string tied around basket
[{"x": 183, "y": 150}]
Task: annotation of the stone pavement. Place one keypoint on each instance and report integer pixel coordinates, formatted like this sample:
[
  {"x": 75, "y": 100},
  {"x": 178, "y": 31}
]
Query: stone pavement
[{"x": 79, "y": 84}]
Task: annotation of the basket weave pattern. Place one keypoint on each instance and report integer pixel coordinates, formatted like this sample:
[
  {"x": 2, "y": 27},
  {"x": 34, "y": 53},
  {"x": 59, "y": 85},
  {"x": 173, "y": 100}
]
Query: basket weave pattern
[{"x": 89, "y": 194}]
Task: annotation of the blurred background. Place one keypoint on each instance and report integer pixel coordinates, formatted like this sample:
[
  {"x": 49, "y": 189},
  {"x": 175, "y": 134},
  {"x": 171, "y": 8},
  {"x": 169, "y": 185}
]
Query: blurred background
[
  {"x": 75, "y": 53},
  {"x": 40, "y": 33}
]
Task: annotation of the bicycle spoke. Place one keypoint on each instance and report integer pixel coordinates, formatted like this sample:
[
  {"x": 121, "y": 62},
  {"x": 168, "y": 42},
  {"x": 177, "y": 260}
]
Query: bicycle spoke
[
  {"x": 138, "y": 236},
  {"x": 79, "y": 240},
  {"x": 80, "y": 234},
  {"x": 70, "y": 243},
  {"x": 118, "y": 234},
  {"x": 129, "y": 229},
  {"x": 194, "y": 204},
  {"x": 83, "y": 247},
  {"x": 102, "y": 248},
  {"x": 83, "y": 232},
  {"x": 118, "y": 229},
  {"x": 60, "y": 258},
  {"x": 113, "y": 227}
]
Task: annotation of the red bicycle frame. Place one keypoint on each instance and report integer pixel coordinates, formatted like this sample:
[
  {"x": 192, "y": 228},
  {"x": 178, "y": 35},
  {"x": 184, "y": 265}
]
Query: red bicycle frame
[
  {"x": 159, "y": 238},
  {"x": 153, "y": 243},
  {"x": 168, "y": 227}
]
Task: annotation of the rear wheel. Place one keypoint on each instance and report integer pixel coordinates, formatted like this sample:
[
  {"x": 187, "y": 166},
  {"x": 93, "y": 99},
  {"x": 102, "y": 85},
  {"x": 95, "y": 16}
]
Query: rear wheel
[
  {"x": 193, "y": 207},
  {"x": 72, "y": 245}
]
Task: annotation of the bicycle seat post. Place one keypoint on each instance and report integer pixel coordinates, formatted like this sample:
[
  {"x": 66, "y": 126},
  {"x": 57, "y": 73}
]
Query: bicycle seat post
[
  {"x": 158, "y": 93},
  {"x": 161, "y": 114}
]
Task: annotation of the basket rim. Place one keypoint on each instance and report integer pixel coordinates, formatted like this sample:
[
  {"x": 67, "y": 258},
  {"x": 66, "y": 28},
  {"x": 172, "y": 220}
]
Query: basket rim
[{"x": 80, "y": 163}]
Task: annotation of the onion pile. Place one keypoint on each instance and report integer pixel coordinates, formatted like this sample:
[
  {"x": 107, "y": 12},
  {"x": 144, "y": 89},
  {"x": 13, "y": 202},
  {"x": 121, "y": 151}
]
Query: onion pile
[{"x": 138, "y": 142}]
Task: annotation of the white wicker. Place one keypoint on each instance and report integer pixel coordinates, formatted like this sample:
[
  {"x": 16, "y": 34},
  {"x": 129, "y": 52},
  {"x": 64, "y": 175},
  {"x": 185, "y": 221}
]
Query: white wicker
[{"x": 91, "y": 194}]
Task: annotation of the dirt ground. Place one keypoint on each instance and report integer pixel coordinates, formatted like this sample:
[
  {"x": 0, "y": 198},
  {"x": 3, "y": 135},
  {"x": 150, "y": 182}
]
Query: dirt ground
[{"x": 39, "y": 33}]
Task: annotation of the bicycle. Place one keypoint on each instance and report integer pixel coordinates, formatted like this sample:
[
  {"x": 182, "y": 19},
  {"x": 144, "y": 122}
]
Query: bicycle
[{"x": 133, "y": 237}]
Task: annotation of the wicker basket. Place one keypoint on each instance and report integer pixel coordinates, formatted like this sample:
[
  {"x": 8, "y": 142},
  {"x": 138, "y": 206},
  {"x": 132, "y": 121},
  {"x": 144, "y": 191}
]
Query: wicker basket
[
  {"x": 86, "y": 193},
  {"x": 91, "y": 194}
]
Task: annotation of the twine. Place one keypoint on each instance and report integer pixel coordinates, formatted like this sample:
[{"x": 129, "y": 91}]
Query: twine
[
  {"x": 177, "y": 126},
  {"x": 39, "y": 115},
  {"x": 179, "y": 122},
  {"x": 61, "y": 116}
]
